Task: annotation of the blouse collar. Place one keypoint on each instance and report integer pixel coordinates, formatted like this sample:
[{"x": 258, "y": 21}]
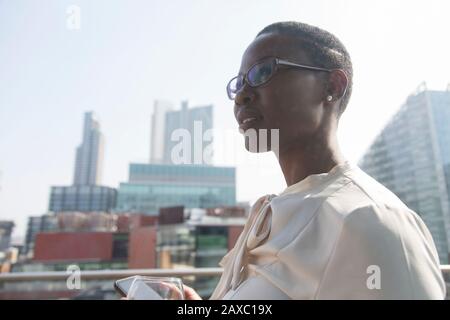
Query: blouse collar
[{"x": 314, "y": 180}]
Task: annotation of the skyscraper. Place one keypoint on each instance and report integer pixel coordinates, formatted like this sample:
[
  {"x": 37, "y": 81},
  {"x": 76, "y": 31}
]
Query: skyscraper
[
  {"x": 193, "y": 122},
  {"x": 86, "y": 194},
  {"x": 158, "y": 130},
  {"x": 165, "y": 182},
  {"x": 89, "y": 155},
  {"x": 196, "y": 122},
  {"x": 411, "y": 157}
]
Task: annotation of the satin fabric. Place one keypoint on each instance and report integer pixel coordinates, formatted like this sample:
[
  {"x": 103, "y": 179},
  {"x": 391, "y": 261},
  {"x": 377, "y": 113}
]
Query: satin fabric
[{"x": 336, "y": 235}]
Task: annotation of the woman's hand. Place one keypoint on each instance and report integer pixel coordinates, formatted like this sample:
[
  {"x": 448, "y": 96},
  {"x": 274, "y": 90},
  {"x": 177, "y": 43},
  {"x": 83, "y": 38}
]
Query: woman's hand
[{"x": 190, "y": 294}]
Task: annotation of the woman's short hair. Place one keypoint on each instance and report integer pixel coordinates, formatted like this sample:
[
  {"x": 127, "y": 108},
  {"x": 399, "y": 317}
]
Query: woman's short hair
[{"x": 324, "y": 49}]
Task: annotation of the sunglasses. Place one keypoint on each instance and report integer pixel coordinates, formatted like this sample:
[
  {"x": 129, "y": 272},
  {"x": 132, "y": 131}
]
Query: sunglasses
[{"x": 261, "y": 72}]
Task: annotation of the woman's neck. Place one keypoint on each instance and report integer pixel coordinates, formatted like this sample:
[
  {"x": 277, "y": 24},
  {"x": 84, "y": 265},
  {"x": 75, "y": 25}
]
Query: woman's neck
[{"x": 297, "y": 161}]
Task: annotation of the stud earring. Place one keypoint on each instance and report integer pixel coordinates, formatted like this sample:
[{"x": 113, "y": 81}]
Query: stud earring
[{"x": 329, "y": 98}]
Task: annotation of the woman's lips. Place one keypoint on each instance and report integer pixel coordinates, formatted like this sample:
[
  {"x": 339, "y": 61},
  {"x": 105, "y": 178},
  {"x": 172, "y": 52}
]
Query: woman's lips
[
  {"x": 248, "y": 123},
  {"x": 248, "y": 118}
]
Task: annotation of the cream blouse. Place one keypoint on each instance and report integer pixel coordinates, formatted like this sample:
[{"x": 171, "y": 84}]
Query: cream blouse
[{"x": 337, "y": 235}]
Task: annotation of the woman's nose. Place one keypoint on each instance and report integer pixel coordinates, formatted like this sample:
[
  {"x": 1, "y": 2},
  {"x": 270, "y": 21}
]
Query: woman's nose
[{"x": 244, "y": 96}]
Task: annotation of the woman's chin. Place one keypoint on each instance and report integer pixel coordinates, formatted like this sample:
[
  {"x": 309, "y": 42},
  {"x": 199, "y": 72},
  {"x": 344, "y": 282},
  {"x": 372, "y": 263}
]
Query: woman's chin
[{"x": 256, "y": 147}]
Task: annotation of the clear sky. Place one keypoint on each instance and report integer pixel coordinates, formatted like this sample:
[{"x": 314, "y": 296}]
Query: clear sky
[{"x": 129, "y": 53}]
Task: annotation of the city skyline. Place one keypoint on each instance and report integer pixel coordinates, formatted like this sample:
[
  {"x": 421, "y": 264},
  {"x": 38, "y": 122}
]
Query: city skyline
[{"x": 125, "y": 56}]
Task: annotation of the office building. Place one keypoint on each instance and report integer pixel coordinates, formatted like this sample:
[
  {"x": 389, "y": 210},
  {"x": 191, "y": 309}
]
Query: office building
[
  {"x": 82, "y": 198},
  {"x": 158, "y": 123},
  {"x": 411, "y": 157},
  {"x": 187, "y": 127},
  {"x": 6, "y": 229},
  {"x": 154, "y": 186},
  {"x": 89, "y": 155},
  {"x": 85, "y": 194}
]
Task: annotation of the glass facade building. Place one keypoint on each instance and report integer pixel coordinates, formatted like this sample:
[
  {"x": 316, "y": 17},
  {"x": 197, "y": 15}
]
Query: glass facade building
[
  {"x": 6, "y": 228},
  {"x": 411, "y": 157},
  {"x": 85, "y": 194},
  {"x": 82, "y": 198},
  {"x": 154, "y": 186}
]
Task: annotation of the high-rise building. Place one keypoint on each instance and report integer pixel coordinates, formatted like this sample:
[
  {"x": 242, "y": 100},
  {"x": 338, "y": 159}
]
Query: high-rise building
[
  {"x": 89, "y": 155},
  {"x": 85, "y": 194},
  {"x": 6, "y": 228},
  {"x": 187, "y": 125},
  {"x": 158, "y": 123},
  {"x": 194, "y": 123},
  {"x": 154, "y": 186},
  {"x": 411, "y": 157}
]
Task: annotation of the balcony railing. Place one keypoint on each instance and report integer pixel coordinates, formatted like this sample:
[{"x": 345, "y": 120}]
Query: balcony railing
[
  {"x": 52, "y": 285},
  {"x": 110, "y": 274},
  {"x": 95, "y": 284}
]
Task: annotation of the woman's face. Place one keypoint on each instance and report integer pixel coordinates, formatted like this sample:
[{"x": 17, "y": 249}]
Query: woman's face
[{"x": 293, "y": 99}]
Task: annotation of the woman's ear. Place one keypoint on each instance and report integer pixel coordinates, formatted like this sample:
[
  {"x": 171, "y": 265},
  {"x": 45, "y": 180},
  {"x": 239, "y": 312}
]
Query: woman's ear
[{"x": 337, "y": 85}]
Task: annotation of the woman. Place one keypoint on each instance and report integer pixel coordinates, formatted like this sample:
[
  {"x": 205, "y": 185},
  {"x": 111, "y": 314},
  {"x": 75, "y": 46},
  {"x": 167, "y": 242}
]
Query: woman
[{"x": 334, "y": 232}]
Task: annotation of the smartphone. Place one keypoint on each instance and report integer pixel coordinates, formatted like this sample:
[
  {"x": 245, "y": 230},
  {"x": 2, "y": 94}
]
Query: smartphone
[
  {"x": 141, "y": 290},
  {"x": 122, "y": 286}
]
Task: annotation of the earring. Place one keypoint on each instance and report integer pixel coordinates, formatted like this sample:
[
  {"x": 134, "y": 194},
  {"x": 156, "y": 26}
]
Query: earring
[{"x": 329, "y": 98}]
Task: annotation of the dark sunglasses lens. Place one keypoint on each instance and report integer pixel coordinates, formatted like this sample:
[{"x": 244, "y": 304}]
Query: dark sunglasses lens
[{"x": 261, "y": 73}]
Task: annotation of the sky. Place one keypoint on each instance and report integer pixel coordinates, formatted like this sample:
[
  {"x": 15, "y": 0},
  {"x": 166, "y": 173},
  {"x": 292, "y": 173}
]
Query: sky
[{"x": 127, "y": 54}]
